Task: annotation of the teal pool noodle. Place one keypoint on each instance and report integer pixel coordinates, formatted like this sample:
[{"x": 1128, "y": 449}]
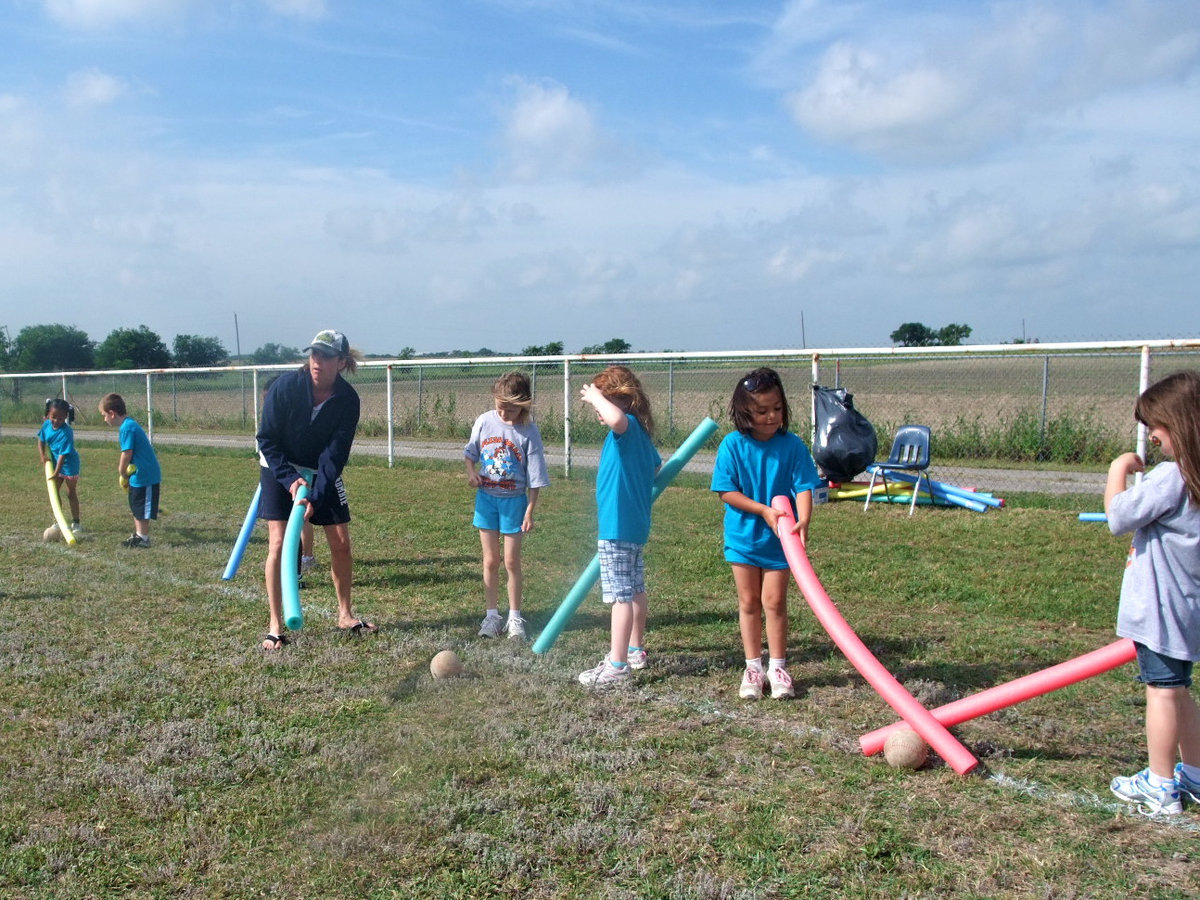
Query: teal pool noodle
[
  {"x": 1093, "y": 517},
  {"x": 293, "y": 618},
  {"x": 666, "y": 474},
  {"x": 243, "y": 538}
]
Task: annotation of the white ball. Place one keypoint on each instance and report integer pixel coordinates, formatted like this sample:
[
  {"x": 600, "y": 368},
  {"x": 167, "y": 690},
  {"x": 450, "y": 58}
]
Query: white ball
[
  {"x": 446, "y": 665},
  {"x": 50, "y": 534},
  {"x": 905, "y": 749}
]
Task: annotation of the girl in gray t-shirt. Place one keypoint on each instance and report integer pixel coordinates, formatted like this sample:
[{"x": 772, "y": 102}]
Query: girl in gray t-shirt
[{"x": 1160, "y": 592}]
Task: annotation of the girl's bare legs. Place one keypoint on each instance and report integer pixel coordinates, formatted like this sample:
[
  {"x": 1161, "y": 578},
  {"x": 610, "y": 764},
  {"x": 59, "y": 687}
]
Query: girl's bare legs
[
  {"x": 774, "y": 605},
  {"x": 749, "y": 583},
  {"x": 489, "y": 541},
  {"x": 1172, "y": 726},
  {"x": 512, "y": 565}
]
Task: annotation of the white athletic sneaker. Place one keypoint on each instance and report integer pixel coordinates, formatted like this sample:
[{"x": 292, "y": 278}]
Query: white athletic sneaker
[
  {"x": 605, "y": 675},
  {"x": 752, "y": 685},
  {"x": 637, "y": 659},
  {"x": 516, "y": 628},
  {"x": 781, "y": 684},
  {"x": 1151, "y": 801},
  {"x": 492, "y": 626}
]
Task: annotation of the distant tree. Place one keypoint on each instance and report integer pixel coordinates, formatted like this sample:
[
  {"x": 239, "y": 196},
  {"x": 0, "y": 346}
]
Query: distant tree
[
  {"x": 132, "y": 348},
  {"x": 554, "y": 348},
  {"x": 406, "y": 353},
  {"x": 192, "y": 350},
  {"x": 953, "y": 335},
  {"x": 51, "y": 348},
  {"x": 914, "y": 334},
  {"x": 269, "y": 354},
  {"x": 5, "y": 348},
  {"x": 613, "y": 345}
]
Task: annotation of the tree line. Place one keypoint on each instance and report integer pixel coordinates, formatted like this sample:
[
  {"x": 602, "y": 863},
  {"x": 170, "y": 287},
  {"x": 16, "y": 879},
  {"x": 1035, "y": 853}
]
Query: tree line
[{"x": 62, "y": 348}]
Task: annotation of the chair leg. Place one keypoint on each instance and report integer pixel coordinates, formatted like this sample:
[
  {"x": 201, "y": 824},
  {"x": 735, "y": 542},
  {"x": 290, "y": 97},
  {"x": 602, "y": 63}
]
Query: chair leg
[
  {"x": 870, "y": 490},
  {"x": 916, "y": 492}
]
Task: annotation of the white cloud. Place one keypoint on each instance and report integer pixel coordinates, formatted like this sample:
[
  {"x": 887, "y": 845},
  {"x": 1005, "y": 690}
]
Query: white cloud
[
  {"x": 86, "y": 14},
  {"x": 549, "y": 133},
  {"x": 92, "y": 87},
  {"x": 944, "y": 85}
]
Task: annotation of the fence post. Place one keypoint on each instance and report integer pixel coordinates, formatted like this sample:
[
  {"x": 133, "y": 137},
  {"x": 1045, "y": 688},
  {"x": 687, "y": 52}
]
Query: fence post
[
  {"x": 812, "y": 400},
  {"x": 1142, "y": 431},
  {"x": 391, "y": 429},
  {"x": 566, "y": 418},
  {"x": 1042, "y": 454},
  {"x": 670, "y": 396},
  {"x": 420, "y": 394},
  {"x": 149, "y": 409}
]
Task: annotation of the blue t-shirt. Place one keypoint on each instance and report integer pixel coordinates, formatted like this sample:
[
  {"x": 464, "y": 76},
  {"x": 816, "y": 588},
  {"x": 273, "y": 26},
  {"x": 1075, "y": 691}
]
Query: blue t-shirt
[
  {"x": 60, "y": 442},
  {"x": 762, "y": 470},
  {"x": 132, "y": 437},
  {"x": 624, "y": 482}
]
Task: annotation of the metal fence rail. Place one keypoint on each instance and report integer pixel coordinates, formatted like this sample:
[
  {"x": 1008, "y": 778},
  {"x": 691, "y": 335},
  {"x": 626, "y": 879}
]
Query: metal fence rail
[{"x": 1061, "y": 403}]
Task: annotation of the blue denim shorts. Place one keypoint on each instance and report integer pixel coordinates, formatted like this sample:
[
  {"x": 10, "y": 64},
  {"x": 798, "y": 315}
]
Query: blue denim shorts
[
  {"x": 1156, "y": 670},
  {"x": 503, "y": 514},
  {"x": 622, "y": 570}
]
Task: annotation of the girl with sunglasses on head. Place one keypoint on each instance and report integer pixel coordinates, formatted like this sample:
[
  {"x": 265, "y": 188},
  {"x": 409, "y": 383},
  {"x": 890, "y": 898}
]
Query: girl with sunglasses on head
[
  {"x": 1160, "y": 591},
  {"x": 757, "y": 462}
]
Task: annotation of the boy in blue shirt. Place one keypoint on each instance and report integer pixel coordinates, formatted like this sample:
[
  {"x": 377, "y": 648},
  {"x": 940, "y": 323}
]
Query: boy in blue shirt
[{"x": 144, "y": 480}]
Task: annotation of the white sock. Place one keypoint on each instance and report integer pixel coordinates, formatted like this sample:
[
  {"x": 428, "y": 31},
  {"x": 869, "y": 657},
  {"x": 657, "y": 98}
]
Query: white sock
[
  {"x": 755, "y": 664},
  {"x": 493, "y": 613},
  {"x": 514, "y": 614},
  {"x": 1158, "y": 781},
  {"x": 777, "y": 664}
]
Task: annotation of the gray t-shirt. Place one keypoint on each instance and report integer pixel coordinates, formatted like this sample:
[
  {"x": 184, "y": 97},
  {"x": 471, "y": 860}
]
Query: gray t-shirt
[
  {"x": 1160, "y": 593},
  {"x": 510, "y": 457}
]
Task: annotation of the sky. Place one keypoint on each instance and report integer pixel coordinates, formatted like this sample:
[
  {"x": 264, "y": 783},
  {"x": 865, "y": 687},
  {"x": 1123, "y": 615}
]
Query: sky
[{"x": 707, "y": 175}]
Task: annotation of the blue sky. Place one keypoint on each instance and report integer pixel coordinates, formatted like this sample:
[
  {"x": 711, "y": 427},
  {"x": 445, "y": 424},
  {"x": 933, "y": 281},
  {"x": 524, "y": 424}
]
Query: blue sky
[{"x": 690, "y": 176}]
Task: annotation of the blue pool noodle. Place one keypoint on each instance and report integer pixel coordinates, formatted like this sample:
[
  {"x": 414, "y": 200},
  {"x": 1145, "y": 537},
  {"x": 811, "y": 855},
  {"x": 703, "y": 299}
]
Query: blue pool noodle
[
  {"x": 293, "y": 618},
  {"x": 243, "y": 538}
]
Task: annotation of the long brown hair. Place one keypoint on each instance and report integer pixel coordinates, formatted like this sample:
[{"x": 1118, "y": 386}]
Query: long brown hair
[
  {"x": 622, "y": 387},
  {"x": 513, "y": 389},
  {"x": 1173, "y": 404}
]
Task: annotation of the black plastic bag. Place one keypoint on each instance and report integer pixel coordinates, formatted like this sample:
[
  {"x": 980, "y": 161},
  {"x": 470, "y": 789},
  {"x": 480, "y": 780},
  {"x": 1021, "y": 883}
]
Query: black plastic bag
[{"x": 845, "y": 443}]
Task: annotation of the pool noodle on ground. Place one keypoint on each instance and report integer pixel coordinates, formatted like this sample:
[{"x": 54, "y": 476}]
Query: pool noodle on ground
[
  {"x": 666, "y": 474},
  {"x": 958, "y": 757},
  {"x": 243, "y": 538},
  {"x": 1010, "y": 693}
]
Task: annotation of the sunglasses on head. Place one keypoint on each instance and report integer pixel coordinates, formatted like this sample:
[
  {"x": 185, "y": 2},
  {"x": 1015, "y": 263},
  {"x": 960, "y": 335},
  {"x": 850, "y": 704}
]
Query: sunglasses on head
[{"x": 761, "y": 381}]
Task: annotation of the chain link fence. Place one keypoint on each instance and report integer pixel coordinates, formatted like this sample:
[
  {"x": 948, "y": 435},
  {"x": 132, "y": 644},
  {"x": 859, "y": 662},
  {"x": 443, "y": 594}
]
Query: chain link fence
[{"x": 1063, "y": 406}]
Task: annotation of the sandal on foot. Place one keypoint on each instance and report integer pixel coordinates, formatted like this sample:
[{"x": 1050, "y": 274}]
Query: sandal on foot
[
  {"x": 273, "y": 642},
  {"x": 361, "y": 627}
]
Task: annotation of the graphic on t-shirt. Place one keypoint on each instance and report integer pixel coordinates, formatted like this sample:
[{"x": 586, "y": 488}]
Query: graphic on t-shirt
[{"x": 499, "y": 463}]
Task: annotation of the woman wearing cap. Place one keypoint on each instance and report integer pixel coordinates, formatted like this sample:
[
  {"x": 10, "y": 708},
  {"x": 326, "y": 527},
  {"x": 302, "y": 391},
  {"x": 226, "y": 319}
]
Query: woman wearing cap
[{"x": 308, "y": 423}]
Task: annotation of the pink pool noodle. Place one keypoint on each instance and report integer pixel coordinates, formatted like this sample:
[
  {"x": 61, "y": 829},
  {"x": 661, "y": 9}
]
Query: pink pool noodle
[
  {"x": 1013, "y": 692},
  {"x": 957, "y": 756}
]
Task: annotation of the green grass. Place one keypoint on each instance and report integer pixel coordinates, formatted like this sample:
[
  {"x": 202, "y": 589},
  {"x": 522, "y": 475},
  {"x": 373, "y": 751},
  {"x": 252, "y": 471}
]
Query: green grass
[{"x": 149, "y": 749}]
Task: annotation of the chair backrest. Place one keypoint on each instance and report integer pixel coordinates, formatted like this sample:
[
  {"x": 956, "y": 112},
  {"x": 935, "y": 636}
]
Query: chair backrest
[{"x": 911, "y": 447}]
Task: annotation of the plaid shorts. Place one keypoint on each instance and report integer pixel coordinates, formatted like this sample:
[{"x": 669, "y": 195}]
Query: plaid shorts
[{"x": 622, "y": 570}]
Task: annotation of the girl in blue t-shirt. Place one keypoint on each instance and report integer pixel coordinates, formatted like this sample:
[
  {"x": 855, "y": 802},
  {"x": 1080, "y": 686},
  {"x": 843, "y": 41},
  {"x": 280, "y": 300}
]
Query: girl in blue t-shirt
[
  {"x": 624, "y": 490},
  {"x": 759, "y": 461},
  {"x": 56, "y": 442}
]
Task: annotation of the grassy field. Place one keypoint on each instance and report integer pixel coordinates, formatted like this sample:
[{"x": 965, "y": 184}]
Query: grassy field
[{"x": 149, "y": 749}]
